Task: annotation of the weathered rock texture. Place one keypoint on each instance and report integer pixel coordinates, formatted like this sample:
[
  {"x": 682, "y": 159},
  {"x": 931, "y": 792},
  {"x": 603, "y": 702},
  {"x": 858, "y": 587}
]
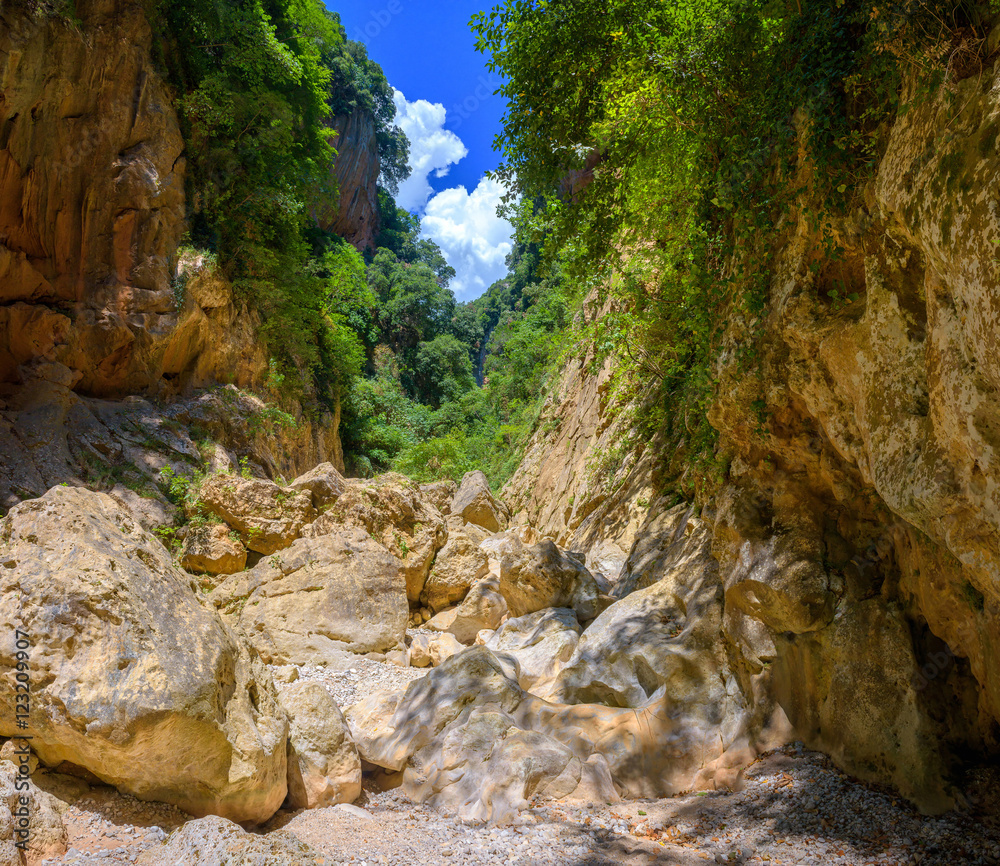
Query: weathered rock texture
[
  {"x": 94, "y": 300},
  {"x": 132, "y": 678},
  {"x": 323, "y": 764},
  {"x": 392, "y": 509},
  {"x": 858, "y": 533},
  {"x": 319, "y": 598},
  {"x": 267, "y": 517},
  {"x": 39, "y": 824},
  {"x": 218, "y": 842},
  {"x": 356, "y": 171}
]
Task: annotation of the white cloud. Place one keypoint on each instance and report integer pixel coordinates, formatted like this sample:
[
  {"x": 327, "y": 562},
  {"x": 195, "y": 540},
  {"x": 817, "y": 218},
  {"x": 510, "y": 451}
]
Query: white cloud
[
  {"x": 474, "y": 240},
  {"x": 433, "y": 149}
]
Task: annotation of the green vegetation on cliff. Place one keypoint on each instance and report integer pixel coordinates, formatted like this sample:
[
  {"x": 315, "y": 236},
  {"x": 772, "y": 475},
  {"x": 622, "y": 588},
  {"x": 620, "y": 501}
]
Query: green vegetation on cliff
[{"x": 672, "y": 141}]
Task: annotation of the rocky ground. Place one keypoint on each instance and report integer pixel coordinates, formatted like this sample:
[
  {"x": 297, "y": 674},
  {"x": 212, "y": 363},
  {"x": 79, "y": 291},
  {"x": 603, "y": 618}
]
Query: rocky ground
[{"x": 795, "y": 808}]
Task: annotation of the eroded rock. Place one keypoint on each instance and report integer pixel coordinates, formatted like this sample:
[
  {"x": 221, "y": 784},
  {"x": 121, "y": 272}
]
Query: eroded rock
[
  {"x": 391, "y": 509},
  {"x": 134, "y": 680},
  {"x": 475, "y": 503},
  {"x": 458, "y": 565},
  {"x": 543, "y": 575},
  {"x": 320, "y": 597},
  {"x": 323, "y": 483},
  {"x": 218, "y": 842},
  {"x": 268, "y": 517},
  {"x": 323, "y": 764},
  {"x": 542, "y": 642},
  {"x": 40, "y": 820},
  {"x": 209, "y": 549}
]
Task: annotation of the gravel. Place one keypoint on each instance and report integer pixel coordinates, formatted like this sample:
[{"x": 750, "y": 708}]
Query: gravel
[{"x": 795, "y": 808}]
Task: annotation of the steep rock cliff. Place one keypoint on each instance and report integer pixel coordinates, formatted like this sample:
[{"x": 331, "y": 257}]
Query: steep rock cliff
[
  {"x": 858, "y": 527},
  {"x": 355, "y": 170},
  {"x": 92, "y": 186},
  {"x": 94, "y": 300}
]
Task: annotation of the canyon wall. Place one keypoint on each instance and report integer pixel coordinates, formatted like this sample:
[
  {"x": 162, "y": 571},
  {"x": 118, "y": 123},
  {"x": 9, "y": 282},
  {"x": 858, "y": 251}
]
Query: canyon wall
[
  {"x": 355, "y": 171},
  {"x": 857, "y": 527},
  {"x": 95, "y": 301}
]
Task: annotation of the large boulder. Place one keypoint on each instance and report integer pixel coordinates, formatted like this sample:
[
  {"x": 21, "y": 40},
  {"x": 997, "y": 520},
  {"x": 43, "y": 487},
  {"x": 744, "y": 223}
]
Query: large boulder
[
  {"x": 267, "y": 517},
  {"x": 483, "y": 607},
  {"x": 392, "y": 510},
  {"x": 320, "y": 597},
  {"x": 444, "y": 730},
  {"x": 209, "y": 549},
  {"x": 458, "y": 565},
  {"x": 431, "y": 650},
  {"x": 323, "y": 483},
  {"x": 543, "y": 575},
  {"x": 217, "y": 842},
  {"x": 132, "y": 678},
  {"x": 476, "y": 504},
  {"x": 323, "y": 764},
  {"x": 440, "y": 494},
  {"x": 456, "y": 737},
  {"x": 542, "y": 642},
  {"x": 663, "y": 639},
  {"x": 37, "y": 824}
]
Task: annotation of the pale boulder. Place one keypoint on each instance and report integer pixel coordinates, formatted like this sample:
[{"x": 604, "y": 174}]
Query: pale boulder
[
  {"x": 323, "y": 764},
  {"x": 458, "y": 565},
  {"x": 483, "y": 607},
  {"x": 209, "y": 549},
  {"x": 476, "y": 504},
  {"x": 543, "y": 575},
  {"x": 268, "y": 517},
  {"x": 218, "y": 842},
  {"x": 440, "y": 494},
  {"x": 433, "y": 650},
  {"x": 323, "y": 483},
  {"x": 319, "y": 598},
  {"x": 457, "y": 738},
  {"x": 542, "y": 642},
  {"x": 663, "y": 639},
  {"x": 134, "y": 679},
  {"x": 392, "y": 510},
  {"x": 499, "y": 545}
]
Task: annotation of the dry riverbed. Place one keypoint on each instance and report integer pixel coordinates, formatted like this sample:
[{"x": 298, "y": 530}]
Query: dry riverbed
[{"x": 795, "y": 808}]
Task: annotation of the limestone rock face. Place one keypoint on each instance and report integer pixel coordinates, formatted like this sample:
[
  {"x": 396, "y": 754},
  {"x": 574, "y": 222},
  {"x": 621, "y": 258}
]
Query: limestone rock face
[
  {"x": 46, "y": 831},
  {"x": 319, "y": 598},
  {"x": 269, "y": 518},
  {"x": 218, "y": 842},
  {"x": 93, "y": 178},
  {"x": 392, "y": 510},
  {"x": 475, "y": 503},
  {"x": 208, "y": 549},
  {"x": 355, "y": 171},
  {"x": 134, "y": 679},
  {"x": 542, "y": 642},
  {"x": 543, "y": 576},
  {"x": 324, "y": 483},
  {"x": 458, "y": 565},
  {"x": 323, "y": 764}
]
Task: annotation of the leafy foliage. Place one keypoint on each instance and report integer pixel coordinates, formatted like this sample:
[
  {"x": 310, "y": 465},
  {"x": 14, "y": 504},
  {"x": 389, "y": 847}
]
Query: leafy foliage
[{"x": 672, "y": 142}]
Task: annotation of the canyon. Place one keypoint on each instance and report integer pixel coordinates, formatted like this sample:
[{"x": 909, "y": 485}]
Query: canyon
[{"x": 581, "y": 650}]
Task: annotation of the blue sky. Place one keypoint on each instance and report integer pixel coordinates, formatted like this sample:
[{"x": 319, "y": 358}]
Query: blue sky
[{"x": 445, "y": 104}]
